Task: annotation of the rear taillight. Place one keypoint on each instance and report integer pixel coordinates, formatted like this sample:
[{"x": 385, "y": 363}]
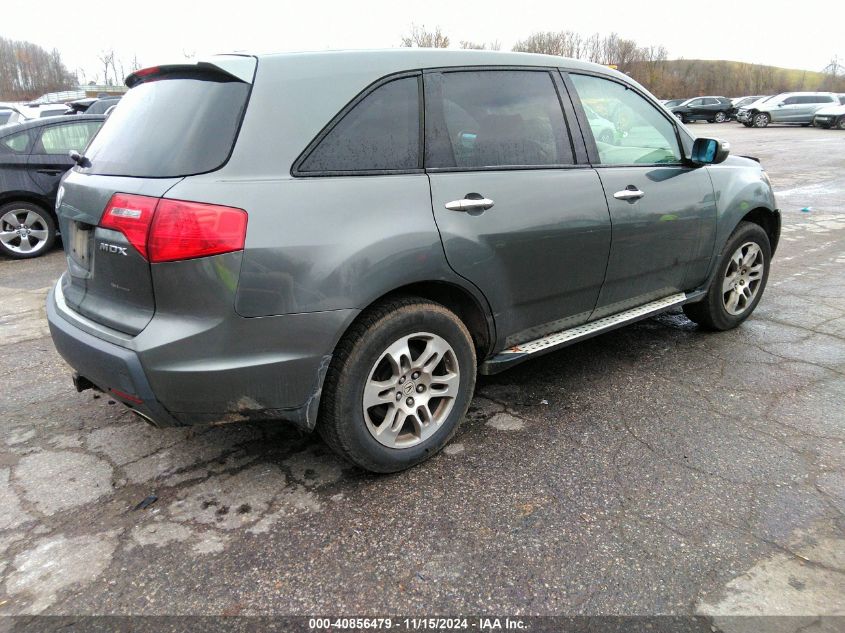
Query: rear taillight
[
  {"x": 184, "y": 230},
  {"x": 132, "y": 216},
  {"x": 171, "y": 230}
]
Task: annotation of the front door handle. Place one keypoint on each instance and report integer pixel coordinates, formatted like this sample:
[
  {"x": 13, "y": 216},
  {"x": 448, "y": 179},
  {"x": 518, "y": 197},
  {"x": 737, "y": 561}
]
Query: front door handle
[
  {"x": 50, "y": 172},
  {"x": 629, "y": 193},
  {"x": 470, "y": 202}
]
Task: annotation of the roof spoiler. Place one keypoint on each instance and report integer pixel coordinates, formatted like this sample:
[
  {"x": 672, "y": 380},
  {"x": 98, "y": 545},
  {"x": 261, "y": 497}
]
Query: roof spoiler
[{"x": 238, "y": 67}]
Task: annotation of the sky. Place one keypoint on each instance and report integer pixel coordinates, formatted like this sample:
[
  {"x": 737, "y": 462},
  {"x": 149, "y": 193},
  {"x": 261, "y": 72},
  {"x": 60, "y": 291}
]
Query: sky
[{"x": 160, "y": 31}]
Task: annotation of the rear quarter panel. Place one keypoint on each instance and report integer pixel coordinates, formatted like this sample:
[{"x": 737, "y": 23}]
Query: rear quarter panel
[{"x": 316, "y": 244}]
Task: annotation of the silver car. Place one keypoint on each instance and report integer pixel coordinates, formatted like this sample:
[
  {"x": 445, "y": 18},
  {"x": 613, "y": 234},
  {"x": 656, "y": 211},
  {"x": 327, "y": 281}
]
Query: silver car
[{"x": 795, "y": 108}]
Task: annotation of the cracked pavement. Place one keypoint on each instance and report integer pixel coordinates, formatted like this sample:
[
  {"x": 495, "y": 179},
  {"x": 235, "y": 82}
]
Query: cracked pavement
[{"x": 653, "y": 470}]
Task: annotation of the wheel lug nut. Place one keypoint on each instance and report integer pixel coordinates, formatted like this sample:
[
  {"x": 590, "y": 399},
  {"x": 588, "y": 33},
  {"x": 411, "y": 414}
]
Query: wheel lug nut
[
  {"x": 415, "y": 375},
  {"x": 398, "y": 396},
  {"x": 420, "y": 388},
  {"x": 410, "y": 402},
  {"x": 401, "y": 379}
]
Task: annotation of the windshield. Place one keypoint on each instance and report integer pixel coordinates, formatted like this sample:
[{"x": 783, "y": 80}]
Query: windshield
[{"x": 171, "y": 127}]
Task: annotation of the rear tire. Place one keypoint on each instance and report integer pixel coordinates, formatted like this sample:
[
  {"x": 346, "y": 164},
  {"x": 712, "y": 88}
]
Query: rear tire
[
  {"x": 841, "y": 123},
  {"x": 399, "y": 384},
  {"x": 26, "y": 230},
  {"x": 739, "y": 282}
]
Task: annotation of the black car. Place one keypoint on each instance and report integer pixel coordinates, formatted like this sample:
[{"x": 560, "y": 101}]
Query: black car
[
  {"x": 713, "y": 109},
  {"x": 33, "y": 157}
]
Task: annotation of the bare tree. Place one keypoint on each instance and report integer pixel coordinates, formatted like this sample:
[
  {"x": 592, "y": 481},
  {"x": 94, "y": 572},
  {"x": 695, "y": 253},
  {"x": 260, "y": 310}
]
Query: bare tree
[
  {"x": 106, "y": 58},
  {"x": 495, "y": 45},
  {"x": 562, "y": 43},
  {"x": 420, "y": 38}
]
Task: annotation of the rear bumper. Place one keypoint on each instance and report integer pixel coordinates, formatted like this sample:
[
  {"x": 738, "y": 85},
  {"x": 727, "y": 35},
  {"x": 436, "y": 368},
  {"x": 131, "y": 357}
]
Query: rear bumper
[
  {"x": 193, "y": 370},
  {"x": 108, "y": 366}
]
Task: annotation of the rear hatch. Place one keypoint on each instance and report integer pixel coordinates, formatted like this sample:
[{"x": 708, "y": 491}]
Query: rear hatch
[{"x": 175, "y": 121}]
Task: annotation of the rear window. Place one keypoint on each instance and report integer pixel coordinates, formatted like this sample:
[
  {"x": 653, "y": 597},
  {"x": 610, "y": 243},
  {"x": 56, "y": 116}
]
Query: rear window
[{"x": 171, "y": 127}]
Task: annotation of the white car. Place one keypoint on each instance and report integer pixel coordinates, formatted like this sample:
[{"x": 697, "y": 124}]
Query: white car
[{"x": 830, "y": 116}]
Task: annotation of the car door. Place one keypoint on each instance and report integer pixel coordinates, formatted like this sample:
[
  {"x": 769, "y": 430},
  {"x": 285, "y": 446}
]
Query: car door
[
  {"x": 14, "y": 156},
  {"x": 518, "y": 215},
  {"x": 662, "y": 209},
  {"x": 694, "y": 109},
  {"x": 709, "y": 108},
  {"x": 49, "y": 158},
  {"x": 787, "y": 110}
]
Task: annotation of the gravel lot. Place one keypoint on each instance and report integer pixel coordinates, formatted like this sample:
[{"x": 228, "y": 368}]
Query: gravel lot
[{"x": 653, "y": 470}]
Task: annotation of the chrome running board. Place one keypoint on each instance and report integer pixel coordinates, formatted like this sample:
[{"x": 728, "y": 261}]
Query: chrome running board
[{"x": 556, "y": 340}]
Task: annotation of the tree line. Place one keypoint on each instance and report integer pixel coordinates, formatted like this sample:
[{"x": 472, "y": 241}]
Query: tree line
[
  {"x": 27, "y": 71},
  {"x": 651, "y": 66}
]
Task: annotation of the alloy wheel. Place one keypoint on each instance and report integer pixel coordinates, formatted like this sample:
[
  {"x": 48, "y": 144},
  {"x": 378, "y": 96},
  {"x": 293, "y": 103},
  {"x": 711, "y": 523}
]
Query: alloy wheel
[
  {"x": 410, "y": 390},
  {"x": 742, "y": 278},
  {"x": 23, "y": 231}
]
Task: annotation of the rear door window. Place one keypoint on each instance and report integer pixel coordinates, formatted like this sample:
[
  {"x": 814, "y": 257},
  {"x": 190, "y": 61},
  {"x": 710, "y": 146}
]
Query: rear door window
[
  {"x": 17, "y": 143},
  {"x": 61, "y": 139},
  {"x": 168, "y": 127},
  {"x": 495, "y": 118},
  {"x": 379, "y": 133}
]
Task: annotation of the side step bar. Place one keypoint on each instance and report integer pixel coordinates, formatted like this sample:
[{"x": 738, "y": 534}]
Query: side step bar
[{"x": 557, "y": 340}]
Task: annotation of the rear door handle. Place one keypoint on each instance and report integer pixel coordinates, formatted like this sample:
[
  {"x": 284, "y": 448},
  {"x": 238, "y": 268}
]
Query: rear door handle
[
  {"x": 629, "y": 193},
  {"x": 471, "y": 202}
]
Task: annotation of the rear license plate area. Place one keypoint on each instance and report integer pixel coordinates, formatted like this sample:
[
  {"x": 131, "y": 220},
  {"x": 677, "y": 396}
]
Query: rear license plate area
[{"x": 79, "y": 244}]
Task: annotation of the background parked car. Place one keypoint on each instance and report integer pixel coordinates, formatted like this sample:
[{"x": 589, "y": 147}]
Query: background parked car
[
  {"x": 797, "y": 108},
  {"x": 713, "y": 109},
  {"x": 101, "y": 105},
  {"x": 831, "y": 116},
  {"x": 671, "y": 103},
  {"x": 741, "y": 102},
  {"x": 33, "y": 158},
  {"x": 5, "y": 115}
]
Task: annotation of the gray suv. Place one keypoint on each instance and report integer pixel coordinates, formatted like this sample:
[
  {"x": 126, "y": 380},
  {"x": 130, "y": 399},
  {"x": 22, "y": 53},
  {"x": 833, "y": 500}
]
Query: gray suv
[
  {"x": 788, "y": 107},
  {"x": 340, "y": 240}
]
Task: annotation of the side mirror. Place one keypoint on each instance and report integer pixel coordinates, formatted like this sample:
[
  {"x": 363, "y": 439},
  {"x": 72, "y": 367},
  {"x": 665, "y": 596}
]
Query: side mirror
[{"x": 709, "y": 151}]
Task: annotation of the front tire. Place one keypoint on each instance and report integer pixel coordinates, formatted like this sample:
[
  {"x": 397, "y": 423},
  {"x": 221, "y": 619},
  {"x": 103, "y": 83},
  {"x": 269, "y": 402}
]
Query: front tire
[
  {"x": 399, "y": 384},
  {"x": 26, "y": 230},
  {"x": 841, "y": 123},
  {"x": 761, "y": 119},
  {"x": 720, "y": 117},
  {"x": 740, "y": 280}
]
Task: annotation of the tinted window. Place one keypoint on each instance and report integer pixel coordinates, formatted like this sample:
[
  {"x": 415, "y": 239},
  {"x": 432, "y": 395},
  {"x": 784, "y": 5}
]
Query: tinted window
[
  {"x": 61, "y": 139},
  {"x": 171, "y": 127},
  {"x": 101, "y": 105},
  {"x": 791, "y": 100},
  {"x": 381, "y": 132},
  {"x": 4, "y": 116},
  {"x": 696, "y": 102},
  {"x": 645, "y": 135},
  {"x": 494, "y": 118},
  {"x": 18, "y": 143}
]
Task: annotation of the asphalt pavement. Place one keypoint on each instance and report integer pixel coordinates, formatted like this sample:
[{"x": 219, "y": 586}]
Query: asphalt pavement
[{"x": 657, "y": 469}]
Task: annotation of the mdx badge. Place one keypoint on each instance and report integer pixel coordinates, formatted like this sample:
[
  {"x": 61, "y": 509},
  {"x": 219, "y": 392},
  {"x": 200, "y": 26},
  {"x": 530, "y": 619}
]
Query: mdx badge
[{"x": 113, "y": 248}]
